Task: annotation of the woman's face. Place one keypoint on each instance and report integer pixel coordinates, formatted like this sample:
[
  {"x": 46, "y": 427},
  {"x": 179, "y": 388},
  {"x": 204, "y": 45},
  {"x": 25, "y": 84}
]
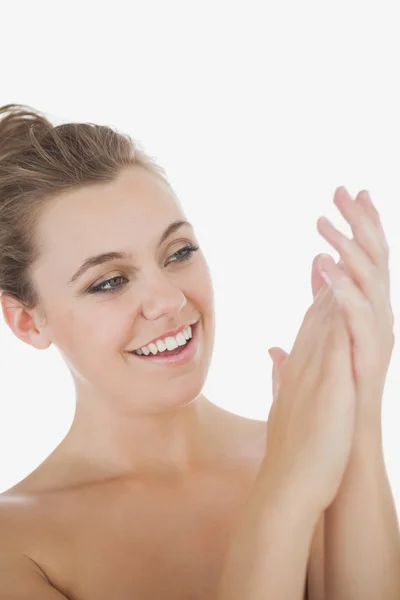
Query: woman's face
[{"x": 145, "y": 294}]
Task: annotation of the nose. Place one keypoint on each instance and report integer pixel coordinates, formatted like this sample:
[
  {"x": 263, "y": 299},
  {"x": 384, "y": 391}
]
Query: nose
[{"x": 161, "y": 297}]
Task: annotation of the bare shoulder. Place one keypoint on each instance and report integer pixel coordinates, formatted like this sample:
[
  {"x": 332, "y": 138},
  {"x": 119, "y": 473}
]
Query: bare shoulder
[
  {"x": 244, "y": 441},
  {"x": 248, "y": 434},
  {"x": 16, "y": 510},
  {"x": 20, "y": 576}
]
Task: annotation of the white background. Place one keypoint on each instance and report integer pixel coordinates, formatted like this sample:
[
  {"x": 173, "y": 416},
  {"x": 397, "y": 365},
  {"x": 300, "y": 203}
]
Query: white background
[{"x": 258, "y": 111}]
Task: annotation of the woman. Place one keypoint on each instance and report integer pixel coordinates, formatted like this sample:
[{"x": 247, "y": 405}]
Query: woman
[{"x": 155, "y": 492}]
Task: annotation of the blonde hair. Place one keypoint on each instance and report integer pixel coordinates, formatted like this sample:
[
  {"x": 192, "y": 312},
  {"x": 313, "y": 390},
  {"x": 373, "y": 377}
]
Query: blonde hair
[{"x": 39, "y": 161}]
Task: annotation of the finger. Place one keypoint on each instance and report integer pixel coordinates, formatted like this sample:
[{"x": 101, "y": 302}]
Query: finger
[
  {"x": 343, "y": 286},
  {"x": 307, "y": 348},
  {"x": 372, "y": 341},
  {"x": 364, "y": 199},
  {"x": 370, "y": 237},
  {"x": 368, "y": 277},
  {"x": 278, "y": 356},
  {"x": 341, "y": 346},
  {"x": 317, "y": 281},
  {"x": 356, "y": 309}
]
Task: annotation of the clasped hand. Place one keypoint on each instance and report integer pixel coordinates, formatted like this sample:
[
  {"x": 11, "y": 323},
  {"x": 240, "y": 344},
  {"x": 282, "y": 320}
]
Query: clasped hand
[{"x": 352, "y": 296}]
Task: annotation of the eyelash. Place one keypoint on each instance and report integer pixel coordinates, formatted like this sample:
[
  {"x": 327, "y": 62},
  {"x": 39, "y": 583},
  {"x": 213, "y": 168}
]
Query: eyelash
[{"x": 99, "y": 290}]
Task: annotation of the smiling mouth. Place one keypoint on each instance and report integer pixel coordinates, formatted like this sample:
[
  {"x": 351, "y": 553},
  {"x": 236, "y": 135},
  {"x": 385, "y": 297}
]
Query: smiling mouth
[
  {"x": 177, "y": 350},
  {"x": 167, "y": 353}
]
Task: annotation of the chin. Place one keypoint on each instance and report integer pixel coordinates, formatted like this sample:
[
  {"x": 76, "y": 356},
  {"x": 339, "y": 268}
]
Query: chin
[
  {"x": 178, "y": 396},
  {"x": 172, "y": 396}
]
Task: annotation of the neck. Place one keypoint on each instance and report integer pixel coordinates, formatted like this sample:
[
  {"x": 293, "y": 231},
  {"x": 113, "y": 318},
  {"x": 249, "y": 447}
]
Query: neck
[{"x": 129, "y": 442}]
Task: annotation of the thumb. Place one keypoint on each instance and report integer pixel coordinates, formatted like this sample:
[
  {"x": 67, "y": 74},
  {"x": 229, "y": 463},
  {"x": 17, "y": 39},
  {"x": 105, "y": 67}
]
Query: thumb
[{"x": 278, "y": 357}]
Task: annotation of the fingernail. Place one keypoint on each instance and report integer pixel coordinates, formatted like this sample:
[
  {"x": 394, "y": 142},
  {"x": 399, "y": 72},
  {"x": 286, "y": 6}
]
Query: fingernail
[
  {"x": 366, "y": 194},
  {"x": 344, "y": 189},
  {"x": 322, "y": 260}
]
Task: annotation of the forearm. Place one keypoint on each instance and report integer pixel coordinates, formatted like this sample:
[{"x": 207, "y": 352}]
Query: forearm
[
  {"x": 268, "y": 555},
  {"x": 362, "y": 538}
]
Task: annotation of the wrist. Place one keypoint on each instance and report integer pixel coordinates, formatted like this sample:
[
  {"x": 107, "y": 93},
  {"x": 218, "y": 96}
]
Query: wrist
[
  {"x": 367, "y": 443},
  {"x": 285, "y": 498},
  {"x": 366, "y": 464},
  {"x": 368, "y": 422}
]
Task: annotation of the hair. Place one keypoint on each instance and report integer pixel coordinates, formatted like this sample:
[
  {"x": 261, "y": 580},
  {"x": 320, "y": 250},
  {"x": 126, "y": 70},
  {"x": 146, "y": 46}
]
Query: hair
[{"x": 39, "y": 161}]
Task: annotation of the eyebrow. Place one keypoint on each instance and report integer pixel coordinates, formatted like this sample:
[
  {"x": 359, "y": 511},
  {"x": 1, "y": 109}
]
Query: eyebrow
[{"x": 99, "y": 259}]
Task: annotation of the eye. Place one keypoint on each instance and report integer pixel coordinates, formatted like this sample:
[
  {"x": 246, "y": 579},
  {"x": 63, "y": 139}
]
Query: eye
[
  {"x": 100, "y": 287},
  {"x": 108, "y": 287},
  {"x": 188, "y": 251}
]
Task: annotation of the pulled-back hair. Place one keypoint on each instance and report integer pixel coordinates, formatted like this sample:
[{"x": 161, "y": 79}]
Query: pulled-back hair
[{"x": 39, "y": 161}]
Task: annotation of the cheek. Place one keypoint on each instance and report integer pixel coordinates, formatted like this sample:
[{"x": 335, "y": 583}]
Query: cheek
[
  {"x": 204, "y": 291},
  {"x": 200, "y": 294},
  {"x": 109, "y": 325},
  {"x": 94, "y": 329}
]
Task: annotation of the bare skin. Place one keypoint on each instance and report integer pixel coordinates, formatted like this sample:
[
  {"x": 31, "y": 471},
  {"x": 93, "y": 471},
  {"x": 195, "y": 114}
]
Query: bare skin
[
  {"x": 151, "y": 534},
  {"x": 141, "y": 497}
]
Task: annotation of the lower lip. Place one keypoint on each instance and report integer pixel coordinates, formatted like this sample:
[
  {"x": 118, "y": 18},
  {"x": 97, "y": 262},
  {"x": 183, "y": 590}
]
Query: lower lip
[{"x": 185, "y": 356}]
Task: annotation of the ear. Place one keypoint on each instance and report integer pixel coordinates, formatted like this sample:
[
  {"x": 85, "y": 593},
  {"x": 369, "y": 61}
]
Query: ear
[
  {"x": 24, "y": 323},
  {"x": 278, "y": 357}
]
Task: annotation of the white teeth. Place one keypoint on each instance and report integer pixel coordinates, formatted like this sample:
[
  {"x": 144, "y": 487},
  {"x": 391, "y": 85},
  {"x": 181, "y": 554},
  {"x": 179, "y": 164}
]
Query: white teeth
[
  {"x": 180, "y": 338},
  {"x": 161, "y": 346},
  {"x": 170, "y": 343}
]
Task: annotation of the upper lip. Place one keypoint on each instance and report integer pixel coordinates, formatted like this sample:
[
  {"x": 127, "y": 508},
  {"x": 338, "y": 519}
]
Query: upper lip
[{"x": 171, "y": 332}]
